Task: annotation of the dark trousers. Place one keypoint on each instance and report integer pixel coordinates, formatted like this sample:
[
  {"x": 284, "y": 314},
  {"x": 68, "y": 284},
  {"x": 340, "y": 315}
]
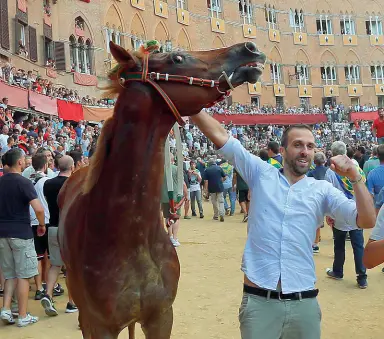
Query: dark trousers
[{"x": 357, "y": 242}]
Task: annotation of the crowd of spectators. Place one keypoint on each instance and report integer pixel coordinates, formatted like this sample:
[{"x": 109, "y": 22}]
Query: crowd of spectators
[{"x": 28, "y": 80}]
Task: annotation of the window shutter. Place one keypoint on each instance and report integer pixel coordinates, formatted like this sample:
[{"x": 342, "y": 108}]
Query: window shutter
[
  {"x": 4, "y": 27},
  {"x": 17, "y": 35},
  {"x": 60, "y": 55},
  {"x": 26, "y": 32},
  {"x": 32, "y": 44}
]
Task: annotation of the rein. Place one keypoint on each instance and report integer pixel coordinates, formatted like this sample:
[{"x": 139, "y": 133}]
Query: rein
[{"x": 152, "y": 77}]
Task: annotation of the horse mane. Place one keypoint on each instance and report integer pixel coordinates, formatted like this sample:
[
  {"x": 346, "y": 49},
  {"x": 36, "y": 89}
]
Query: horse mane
[
  {"x": 98, "y": 158},
  {"x": 114, "y": 87}
]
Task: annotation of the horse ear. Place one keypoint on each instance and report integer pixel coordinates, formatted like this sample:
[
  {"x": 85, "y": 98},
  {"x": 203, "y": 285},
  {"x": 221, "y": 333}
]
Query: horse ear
[{"x": 123, "y": 56}]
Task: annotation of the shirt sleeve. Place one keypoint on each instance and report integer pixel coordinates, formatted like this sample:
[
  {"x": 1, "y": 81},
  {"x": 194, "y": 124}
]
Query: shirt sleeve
[
  {"x": 330, "y": 176},
  {"x": 378, "y": 231},
  {"x": 222, "y": 173},
  {"x": 370, "y": 182},
  {"x": 28, "y": 190},
  {"x": 246, "y": 164},
  {"x": 339, "y": 207}
]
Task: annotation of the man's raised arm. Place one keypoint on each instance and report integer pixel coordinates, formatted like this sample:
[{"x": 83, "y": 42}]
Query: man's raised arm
[{"x": 211, "y": 128}]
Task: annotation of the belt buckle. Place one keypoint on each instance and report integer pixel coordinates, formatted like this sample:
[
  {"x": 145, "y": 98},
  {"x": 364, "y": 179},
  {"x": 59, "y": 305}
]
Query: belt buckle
[{"x": 280, "y": 294}]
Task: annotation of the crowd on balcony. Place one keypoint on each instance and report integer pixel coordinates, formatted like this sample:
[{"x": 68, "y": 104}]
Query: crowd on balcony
[{"x": 28, "y": 80}]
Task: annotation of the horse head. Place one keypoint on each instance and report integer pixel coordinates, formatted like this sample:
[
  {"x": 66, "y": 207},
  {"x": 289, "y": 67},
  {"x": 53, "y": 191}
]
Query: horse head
[{"x": 190, "y": 81}]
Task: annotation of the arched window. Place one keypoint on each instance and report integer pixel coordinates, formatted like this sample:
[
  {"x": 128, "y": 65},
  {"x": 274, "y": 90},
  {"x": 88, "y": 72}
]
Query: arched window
[
  {"x": 136, "y": 43},
  {"x": 82, "y": 55},
  {"x": 73, "y": 53},
  {"x": 270, "y": 16},
  {"x": 245, "y": 9},
  {"x": 296, "y": 20},
  {"x": 89, "y": 54}
]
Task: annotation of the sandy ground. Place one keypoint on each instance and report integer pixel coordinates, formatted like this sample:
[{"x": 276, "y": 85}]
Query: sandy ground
[{"x": 211, "y": 286}]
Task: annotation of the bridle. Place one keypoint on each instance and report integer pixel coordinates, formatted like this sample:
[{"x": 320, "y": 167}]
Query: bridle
[{"x": 152, "y": 78}]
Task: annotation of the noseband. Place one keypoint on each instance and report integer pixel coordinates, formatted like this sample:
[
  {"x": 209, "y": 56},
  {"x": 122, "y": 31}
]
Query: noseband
[{"x": 152, "y": 78}]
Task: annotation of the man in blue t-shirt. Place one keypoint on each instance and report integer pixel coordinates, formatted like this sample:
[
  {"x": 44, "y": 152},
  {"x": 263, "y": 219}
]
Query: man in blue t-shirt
[
  {"x": 18, "y": 259},
  {"x": 213, "y": 184},
  {"x": 375, "y": 180}
]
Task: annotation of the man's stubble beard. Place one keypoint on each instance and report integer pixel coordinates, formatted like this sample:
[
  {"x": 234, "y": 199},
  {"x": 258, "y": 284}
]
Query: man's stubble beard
[{"x": 295, "y": 169}]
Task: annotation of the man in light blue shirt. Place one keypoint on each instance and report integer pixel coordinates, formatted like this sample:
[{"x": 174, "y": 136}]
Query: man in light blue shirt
[
  {"x": 340, "y": 228},
  {"x": 278, "y": 266},
  {"x": 227, "y": 183}
]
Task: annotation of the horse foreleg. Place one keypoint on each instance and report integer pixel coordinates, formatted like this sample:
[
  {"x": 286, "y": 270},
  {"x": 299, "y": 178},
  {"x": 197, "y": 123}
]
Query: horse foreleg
[{"x": 159, "y": 326}]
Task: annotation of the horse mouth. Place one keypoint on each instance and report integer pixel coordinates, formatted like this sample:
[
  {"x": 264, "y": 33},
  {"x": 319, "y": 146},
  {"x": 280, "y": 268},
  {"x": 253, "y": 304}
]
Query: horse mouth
[
  {"x": 258, "y": 65},
  {"x": 247, "y": 72}
]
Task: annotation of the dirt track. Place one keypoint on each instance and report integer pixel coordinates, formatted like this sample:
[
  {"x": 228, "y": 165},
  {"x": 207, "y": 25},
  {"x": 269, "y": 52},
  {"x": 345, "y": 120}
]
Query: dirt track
[{"x": 210, "y": 291}]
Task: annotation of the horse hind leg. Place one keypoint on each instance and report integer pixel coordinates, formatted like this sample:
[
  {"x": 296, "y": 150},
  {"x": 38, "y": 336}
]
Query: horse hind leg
[{"x": 159, "y": 326}]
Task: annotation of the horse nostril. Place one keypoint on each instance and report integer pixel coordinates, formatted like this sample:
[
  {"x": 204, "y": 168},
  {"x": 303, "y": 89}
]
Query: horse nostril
[{"x": 250, "y": 46}]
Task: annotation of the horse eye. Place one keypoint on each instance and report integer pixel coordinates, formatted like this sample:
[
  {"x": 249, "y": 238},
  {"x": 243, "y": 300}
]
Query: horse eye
[{"x": 178, "y": 59}]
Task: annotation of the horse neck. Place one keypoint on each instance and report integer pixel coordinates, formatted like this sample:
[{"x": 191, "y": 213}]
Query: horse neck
[{"x": 137, "y": 152}]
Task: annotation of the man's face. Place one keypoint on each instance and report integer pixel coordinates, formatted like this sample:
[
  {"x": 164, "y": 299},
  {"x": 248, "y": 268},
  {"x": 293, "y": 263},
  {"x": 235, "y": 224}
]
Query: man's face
[
  {"x": 23, "y": 163},
  {"x": 299, "y": 153},
  {"x": 27, "y": 161},
  {"x": 381, "y": 113},
  {"x": 5, "y": 129},
  {"x": 5, "y": 101},
  {"x": 48, "y": 154}
]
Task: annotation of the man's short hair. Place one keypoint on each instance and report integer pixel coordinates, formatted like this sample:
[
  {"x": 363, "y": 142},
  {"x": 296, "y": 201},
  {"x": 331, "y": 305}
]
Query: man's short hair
[
  {"x": 76, "y": 156},
  {"x": 274, "y": 146},
  {"x": 338, "y": 148},
  {"x": 11, "y": 157},
  {"x": 39, "y": 160},
  {"x": 319, "y": 158},
  {"x": 374, "y": 150},
  {"x": 380, "y": 152},
  {"x": 263, "y": 154},
  {"x": 361, "y": 149},
  {"x": 284, "y": 138},
  {"x": 9, "y": 140},
  {"x": 65, "y": 163}
]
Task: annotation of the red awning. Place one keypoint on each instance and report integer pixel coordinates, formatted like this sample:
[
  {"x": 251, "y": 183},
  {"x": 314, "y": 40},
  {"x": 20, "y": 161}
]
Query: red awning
[
  {"x": 70, "y": 110},
  {"x": 43, "y": 103},
  {"x": 17, "y": 96},
  {"x": 364, "y": 116},
  {"x": 274, "y": 119}
]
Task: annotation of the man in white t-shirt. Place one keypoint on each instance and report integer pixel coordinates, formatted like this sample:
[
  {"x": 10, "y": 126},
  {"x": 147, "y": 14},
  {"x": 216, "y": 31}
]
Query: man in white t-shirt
[
  {"x": 194, "y": 176},
  {"x": 40, "y": 166},
  {"x": 374, "y": 251}
]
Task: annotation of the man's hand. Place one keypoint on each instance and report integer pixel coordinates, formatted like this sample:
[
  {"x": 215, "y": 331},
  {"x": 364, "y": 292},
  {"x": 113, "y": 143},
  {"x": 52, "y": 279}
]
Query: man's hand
[
  {"x": 345, "y": 167},
  {"x": 41, "y": 230}
]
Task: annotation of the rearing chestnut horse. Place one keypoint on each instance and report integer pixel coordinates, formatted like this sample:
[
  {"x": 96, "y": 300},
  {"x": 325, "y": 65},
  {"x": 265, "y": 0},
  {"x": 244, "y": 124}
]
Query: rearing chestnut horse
[{"x": 122, "y": 267}]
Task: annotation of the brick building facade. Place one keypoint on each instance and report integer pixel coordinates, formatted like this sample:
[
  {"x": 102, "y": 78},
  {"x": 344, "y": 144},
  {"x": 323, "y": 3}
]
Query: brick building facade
[{"x": 316, "y": 53}]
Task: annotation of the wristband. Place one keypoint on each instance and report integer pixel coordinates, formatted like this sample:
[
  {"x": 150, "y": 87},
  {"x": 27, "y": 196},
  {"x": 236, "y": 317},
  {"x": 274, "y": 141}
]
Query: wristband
[{"x": 357, "y": 181}]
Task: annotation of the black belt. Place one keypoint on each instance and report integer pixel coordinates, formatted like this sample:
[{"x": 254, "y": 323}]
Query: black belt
[{"x": 279, "y": 295}]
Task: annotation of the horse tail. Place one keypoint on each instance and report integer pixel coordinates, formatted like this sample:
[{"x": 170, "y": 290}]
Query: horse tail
[
  {"x": 131, "y": 331},
  {"x": 97, "y": 160}
]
